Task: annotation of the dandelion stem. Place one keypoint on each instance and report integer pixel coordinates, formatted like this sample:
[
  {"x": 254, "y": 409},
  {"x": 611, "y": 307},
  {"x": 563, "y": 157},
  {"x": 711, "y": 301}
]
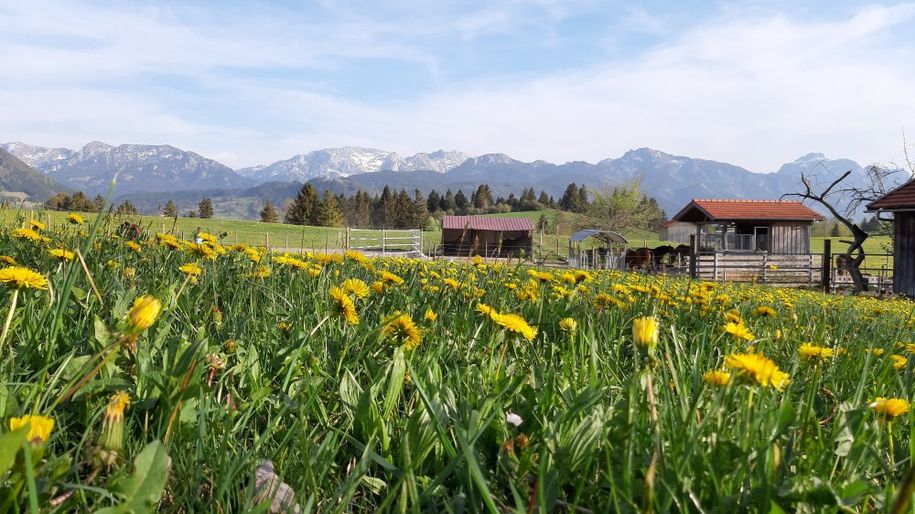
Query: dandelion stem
[{"x": 9, "y": 318}]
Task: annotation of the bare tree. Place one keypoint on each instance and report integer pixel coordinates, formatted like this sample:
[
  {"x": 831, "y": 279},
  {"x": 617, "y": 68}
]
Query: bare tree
[{"x": 879, "y": 181}]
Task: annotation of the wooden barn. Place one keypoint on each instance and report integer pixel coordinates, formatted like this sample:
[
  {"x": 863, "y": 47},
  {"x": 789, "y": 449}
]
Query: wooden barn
[
  {"x": 677, "y": 231},
  {"x": 770, "y": 226},
  {"x": 901, "y": 203},
  {"x": 487, "y": 236}
]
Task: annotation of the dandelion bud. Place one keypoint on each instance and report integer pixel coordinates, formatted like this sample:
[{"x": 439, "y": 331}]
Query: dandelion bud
[
  {"x": 143, "y": 314},
  {"x": 645, "y": 333},
  {"x": 113, "y": 422}
]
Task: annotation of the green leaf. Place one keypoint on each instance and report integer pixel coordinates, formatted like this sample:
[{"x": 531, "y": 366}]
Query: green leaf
[
  {"x": 395, "y": 383},
  {"x": 10, "y": 443},
  {"x": 142, "y": 490}
]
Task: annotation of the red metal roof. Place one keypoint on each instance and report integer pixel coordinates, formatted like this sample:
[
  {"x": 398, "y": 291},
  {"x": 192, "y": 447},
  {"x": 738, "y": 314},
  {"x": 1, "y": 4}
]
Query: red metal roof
[
  {"x": 899, "y": 199},
  {"x": 486, "y": 223},
  {"x": 738, "y": 210}
]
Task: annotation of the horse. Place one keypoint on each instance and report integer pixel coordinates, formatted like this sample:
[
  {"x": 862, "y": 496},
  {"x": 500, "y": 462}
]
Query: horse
[
  {"x": 128, "y": 230},
  {"x": 841, "y": 265},
  {"x": 641, "y": 258}
]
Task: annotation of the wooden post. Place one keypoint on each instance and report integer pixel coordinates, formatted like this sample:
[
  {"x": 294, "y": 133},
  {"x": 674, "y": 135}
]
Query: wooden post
[
  {"x": 267, "y": 239},
  {"x": 827, "y": 265},
  {"x": 693, "y": 256},
  {"x": 382, "y": 242}
]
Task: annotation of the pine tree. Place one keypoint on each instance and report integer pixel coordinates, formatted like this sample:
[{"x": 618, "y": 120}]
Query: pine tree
[
  {"x": 835, "y": 232},
  {"x": 205, "y": 208},
  {"x": 126, "y": 208},
  {"x": 98, "y": 203},
  {"x": 528, "y": 200},
  {"x": 448, "y": 203},
  {"x": 433, "y": 203},
  {"x": 460, "y": 202},
  {"x": 420, "y": 210},
  {"x": 570, "y": 199},
  {"x": 403, "y": 210},
  {"x": 303, "y": 209},
  {"x": 362, "y": 210},
  {"x": 583, "y": 201},
  {"x": 170, "y": 210},
  {"x": 328, "y": 211},
  {"x": 482, "y": 197},
  {"x": 268, "y": 213},
  {"x": 543, "y": 199}
]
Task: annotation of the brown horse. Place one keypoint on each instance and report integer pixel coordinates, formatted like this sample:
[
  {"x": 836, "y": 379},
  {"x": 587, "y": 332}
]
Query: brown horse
[
  {"x": 128, "y": 230},
  {"x": 841, "y": 265},
  {"x": 640, "y": 258}
]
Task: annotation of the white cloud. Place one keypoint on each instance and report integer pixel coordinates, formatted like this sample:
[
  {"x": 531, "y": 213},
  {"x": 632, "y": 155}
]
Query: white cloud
[{"x": 755, "y": 90}]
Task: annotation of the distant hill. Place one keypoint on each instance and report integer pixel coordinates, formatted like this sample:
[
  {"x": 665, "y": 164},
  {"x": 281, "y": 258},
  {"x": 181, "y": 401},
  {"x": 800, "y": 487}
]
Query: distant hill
[
  {"x": 139, "y": 168},
  {"x": 17, "y": 176},
  {"x": 150, "y": 175}
]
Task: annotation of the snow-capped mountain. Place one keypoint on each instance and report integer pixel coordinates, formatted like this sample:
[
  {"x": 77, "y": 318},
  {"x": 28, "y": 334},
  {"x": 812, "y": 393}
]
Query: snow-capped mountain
[
  {"x": 139, "y": 168},
  {"x": 350, "y": 160},
  {"x": 38, "y": 157}
]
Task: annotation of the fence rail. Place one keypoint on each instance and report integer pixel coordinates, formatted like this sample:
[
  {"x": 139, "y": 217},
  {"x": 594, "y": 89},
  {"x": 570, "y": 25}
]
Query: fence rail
[
  {"x": 384, "y": 241},
  {"x": 825, "y": 270}
]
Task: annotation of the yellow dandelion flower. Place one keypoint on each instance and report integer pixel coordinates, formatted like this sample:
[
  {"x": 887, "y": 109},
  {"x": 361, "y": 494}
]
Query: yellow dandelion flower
[
  {"x": 203, "y": 250},
  {"x": 378, "y": 287},
  {"x": 144, "y": 312},
  {"x": 391, "y": 278},
  {"x": 30, "y": 235},
  {"x": 540, "y": 276},
  {"x": 739, "y": 331},
  {"x": 765, "y": 311},
  {"x": 430, "y": 315},
  {"x": 356, "y": 256},
  {"x": 19, "y": 277},
  {"x": 40, "y": 427},
  {"x": 133, "y": 245},
  {"x": 6, "y": 259},
  {"x": 344, "y": 305},
  {"x": 568, "y": 325},
  {"x": 403, "y": 330},
  {"x": 355, "y": 287},
  {"x": 812, "y": 352},
  {"x": 890, "y": 407},
  {"x": 62, "y": 254},
  {"x": 75, "y": 219},
  {"x": 645, "y": 332},
  {"x": 900, "y": 362},
  {"x": 191, "y": 269},
  {"x": 515, "y": 324},
  {"x": 718, "y": 377},
  {"x": 757, "y": 368},
  {"x": 733, "y": 316}
]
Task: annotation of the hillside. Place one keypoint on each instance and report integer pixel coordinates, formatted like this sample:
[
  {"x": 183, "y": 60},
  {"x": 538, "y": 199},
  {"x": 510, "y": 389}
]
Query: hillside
[{"x": 17, "y": 176}]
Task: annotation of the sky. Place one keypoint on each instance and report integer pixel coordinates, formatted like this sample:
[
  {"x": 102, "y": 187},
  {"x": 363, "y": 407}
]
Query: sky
[{"x": 751, "y": 83}]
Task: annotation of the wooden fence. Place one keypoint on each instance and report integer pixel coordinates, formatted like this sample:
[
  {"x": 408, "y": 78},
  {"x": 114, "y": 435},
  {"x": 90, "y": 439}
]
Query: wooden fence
[{"x": 821, "y": 270}]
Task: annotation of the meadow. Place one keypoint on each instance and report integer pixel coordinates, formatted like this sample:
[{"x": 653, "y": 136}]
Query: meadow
[{"x": 161, "y": 375}]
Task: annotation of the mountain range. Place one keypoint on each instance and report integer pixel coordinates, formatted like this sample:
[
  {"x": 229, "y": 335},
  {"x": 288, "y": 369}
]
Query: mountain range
[{"x": 149, "y": 175}]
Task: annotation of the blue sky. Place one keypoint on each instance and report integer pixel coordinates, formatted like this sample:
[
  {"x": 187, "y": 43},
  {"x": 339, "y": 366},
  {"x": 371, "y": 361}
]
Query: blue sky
[{"x": 752, "y": 83}]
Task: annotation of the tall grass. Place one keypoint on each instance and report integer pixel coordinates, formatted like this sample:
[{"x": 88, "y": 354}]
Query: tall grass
[{"x": 238, "y": 369}]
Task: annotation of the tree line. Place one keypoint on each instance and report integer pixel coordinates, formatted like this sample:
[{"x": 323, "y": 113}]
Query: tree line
[{"x": 624, "y": 206}]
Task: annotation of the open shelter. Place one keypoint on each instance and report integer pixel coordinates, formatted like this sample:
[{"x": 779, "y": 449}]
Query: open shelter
[{"x": 488, "y": 236}]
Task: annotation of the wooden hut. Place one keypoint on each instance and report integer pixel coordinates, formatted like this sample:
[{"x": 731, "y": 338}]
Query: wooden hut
[
  {"x": 676, "y": 231},
  {"x": 487, "y": 236},
  {"x": 771, "y": 226},
  {"x": 901, "y": 203}
]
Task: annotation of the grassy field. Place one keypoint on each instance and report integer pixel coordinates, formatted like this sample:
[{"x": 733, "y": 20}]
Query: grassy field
[
  {"x": 171, "y": 377},
  {"x": 278, "y": 235}
]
